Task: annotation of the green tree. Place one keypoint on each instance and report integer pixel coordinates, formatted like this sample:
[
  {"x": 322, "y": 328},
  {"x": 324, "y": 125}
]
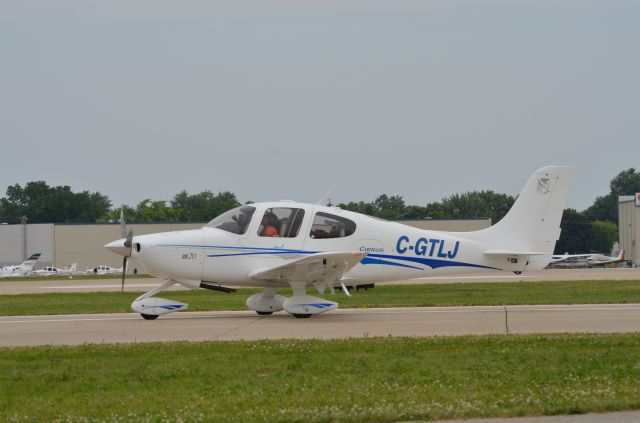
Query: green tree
[
  {"x": 472, "y": 204},
  {"x": 359, "y": 207},
  {"x": 155, "y": 211},
  {"x": 604, "y": 235},
  {"x": 390, "y": 208},
  {"x": 44, "y": 204},
  {"x": 114, "y": 215},
  {"x": 184, "y": 207},
  {"x": 384, "y": 207},
  {"x": 203, "y": 206},
  {"x": 577, "y": 234},
  {"x": 605, "y": 207}
]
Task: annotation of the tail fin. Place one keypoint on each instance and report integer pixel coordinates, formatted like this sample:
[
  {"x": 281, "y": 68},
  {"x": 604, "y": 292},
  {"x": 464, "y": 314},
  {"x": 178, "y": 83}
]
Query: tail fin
[
  {"x": 31, "y": 261},
  {"x": 27, "y": 266},
  {"x": 532, "y": 226}
]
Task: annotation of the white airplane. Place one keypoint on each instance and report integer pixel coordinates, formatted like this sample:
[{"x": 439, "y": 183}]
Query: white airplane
[
  {"x": 585, "y": 260},
  {"x": 103, "y": 270},
  {"x": 323, "y": 247},
  {"x": 52, "y": 270},
  {"x": 21, "y": 269}
]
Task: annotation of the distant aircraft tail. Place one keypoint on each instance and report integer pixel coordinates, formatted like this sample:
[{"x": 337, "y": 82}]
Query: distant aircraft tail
[
  {"x": 27, "y": 265},
  {"x": 73, "y": 268},
  {"x": 532, "y": 226}
]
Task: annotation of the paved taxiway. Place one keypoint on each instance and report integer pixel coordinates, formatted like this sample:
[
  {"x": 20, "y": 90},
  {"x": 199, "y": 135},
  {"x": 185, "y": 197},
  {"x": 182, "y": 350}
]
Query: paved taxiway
[
  {"x": 234, "y": 325},
  {"x": 616, "y": 417},
  {"x": 92, "y": 285}
]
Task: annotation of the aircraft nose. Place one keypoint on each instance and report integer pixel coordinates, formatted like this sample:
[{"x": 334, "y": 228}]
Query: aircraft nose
[{"x": 118, "y": 247}]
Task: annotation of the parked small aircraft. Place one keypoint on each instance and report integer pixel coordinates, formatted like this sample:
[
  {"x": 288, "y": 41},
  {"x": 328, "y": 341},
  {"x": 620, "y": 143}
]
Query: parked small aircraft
[
  {"x": 585, "y": 260},
  {"x": 21, "y": 269},
  {"x": 103, "y": 270},
  {"x": 52, "y": 270},
  {"x": 288, "y": 244}
]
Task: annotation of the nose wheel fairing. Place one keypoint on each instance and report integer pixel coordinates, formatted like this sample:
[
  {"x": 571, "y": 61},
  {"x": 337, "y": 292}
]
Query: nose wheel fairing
[
  {"x": 148, "y": 305},
  {"x": 156, "y": 306}
]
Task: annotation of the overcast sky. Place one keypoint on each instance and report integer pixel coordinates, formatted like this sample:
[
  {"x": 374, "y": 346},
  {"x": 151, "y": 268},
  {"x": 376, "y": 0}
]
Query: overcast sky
[{"x": 284, "y": 99}]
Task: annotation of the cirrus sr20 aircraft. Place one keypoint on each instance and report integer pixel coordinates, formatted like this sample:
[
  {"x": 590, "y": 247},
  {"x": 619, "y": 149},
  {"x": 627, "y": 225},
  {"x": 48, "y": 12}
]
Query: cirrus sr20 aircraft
[{"x": 308, "y": 246}]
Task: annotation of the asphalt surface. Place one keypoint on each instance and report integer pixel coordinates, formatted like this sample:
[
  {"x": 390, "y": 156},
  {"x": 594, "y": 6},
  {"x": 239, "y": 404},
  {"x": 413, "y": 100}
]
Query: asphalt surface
[
  {"x": 345, "y": 323},
  {"x": 77, "y": 284},
  {"x": 618, "y": 417}
]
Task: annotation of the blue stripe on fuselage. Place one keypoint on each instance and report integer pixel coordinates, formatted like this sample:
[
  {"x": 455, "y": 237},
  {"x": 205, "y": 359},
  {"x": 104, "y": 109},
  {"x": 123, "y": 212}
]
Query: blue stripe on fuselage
[
  {"x": 378, "y": 259},
  {"x": 432, "y": 263},
  {"x": 373, "y": 260}
]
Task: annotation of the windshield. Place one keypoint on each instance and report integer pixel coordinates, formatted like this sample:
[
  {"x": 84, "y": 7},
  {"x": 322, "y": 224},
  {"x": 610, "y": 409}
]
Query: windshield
[{"x": 235, "y": 221}]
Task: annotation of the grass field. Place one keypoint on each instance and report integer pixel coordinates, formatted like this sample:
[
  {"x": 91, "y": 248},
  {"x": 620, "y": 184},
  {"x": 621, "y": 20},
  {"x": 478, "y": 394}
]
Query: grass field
[
  {"x": 462, "y": 294},
  {"x": 356, "y": 380}
]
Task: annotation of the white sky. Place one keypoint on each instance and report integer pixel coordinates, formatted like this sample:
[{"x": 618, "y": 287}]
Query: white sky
[{"x": 282, "y": 99}]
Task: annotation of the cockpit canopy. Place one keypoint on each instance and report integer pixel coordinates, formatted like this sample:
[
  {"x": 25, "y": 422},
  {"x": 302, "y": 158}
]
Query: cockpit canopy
[
  {"x": 283, "y": 222},
  {"x": 235, "y": 220}
]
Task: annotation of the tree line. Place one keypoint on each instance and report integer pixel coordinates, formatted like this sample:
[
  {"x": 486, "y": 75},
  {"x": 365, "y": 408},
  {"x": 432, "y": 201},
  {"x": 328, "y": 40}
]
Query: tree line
[{"x": 594, "y": 229}]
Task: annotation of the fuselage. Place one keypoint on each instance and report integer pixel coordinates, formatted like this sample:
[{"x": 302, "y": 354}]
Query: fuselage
[{"x": 231, "y": 247}]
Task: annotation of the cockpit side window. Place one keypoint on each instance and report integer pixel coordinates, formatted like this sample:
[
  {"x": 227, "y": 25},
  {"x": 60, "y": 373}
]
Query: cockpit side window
[
  {"x": 235, "y": 221},
  {"x": 327, "y": 225},
  {"x": 282, "y": 222}
]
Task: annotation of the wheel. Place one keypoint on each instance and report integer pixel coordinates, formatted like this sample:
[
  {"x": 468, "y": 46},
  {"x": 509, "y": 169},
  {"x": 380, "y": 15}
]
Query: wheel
[
  {"x": 264, "y": 313},
  {"x": 149, "y": 316},
  {"x": 301, "y": 316}
]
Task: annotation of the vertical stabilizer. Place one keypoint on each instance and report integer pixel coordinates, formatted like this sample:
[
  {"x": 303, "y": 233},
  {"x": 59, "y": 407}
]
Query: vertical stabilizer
[
  {"x": 533, "y": 223},
  {"x": 27, "y": 266}
]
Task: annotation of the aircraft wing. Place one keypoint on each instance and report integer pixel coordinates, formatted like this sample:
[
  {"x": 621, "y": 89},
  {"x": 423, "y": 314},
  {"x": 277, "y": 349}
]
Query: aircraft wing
[{"x": 320, "y": 269}]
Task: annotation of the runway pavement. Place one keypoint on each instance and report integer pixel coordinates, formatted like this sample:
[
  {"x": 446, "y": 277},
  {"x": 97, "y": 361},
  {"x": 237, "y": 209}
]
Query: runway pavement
[
  {"x": 40, "y": 286},
  {"x": 616, "y": 417},
  {"x": 235, "y": 325}
]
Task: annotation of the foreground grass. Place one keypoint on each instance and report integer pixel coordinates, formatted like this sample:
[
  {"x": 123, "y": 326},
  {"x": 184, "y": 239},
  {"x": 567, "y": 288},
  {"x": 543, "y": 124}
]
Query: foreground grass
[
  {"x": 356, "y": 380},
  {"x": 462, "y": 294}
]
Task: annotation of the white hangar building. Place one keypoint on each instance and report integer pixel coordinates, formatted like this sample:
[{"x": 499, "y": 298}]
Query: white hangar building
[{"x": 629, "y": 226}]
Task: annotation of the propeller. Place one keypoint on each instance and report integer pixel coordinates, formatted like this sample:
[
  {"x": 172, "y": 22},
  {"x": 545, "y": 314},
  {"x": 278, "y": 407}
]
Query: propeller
[{"x": 127, "y": 244}]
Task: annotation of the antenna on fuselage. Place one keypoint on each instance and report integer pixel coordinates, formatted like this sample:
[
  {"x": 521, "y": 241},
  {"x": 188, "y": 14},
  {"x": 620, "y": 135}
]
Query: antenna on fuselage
[{"x": 328, "y": 193}]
